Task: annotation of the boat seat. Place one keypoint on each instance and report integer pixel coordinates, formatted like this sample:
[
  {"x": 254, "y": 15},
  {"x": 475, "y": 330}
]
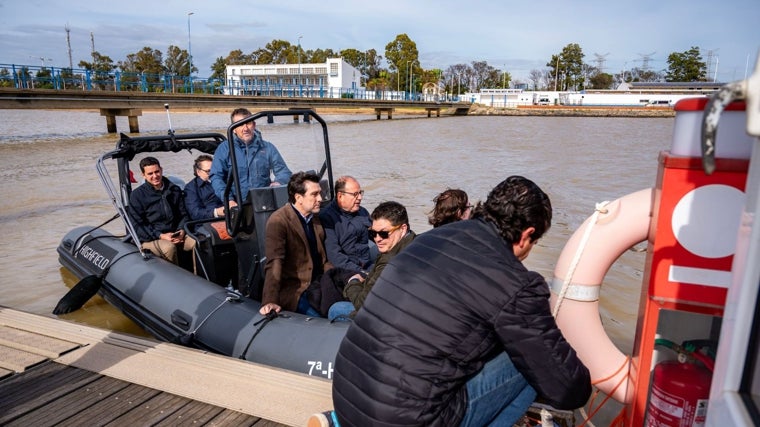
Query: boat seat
[{"x": 250, "y": 246}]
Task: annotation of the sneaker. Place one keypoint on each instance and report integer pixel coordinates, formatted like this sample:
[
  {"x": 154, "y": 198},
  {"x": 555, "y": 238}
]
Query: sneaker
[{"x": 323, "y": 419}]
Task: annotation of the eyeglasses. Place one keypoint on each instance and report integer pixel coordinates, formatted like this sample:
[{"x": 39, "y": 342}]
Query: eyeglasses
[
  {"x": 354, "y": 195},
  {"x": 384, "y": 234},
  {"x": 470, "y": 206},
  {"x": 205, "y": 170}
]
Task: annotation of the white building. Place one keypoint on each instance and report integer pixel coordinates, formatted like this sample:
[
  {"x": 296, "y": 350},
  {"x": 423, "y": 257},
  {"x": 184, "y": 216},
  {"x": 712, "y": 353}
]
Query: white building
[
  {"x": 333, "y": 79},
  {"x": 509, "y": 98}
]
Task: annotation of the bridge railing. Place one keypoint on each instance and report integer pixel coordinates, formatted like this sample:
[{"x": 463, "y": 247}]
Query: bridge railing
[{"x": 42, "y": 77}]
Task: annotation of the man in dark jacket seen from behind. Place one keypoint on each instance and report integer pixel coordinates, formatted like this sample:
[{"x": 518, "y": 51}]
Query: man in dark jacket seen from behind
[{"x": 456, "y": 331}]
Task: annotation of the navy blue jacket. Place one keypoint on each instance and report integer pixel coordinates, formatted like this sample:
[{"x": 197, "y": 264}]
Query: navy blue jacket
[
  {"x": 346, "y": 238},
  {"x": 154, "y": 212},
  {"x": 442, "y": 308},
  {"x": 200, "y": 199}
]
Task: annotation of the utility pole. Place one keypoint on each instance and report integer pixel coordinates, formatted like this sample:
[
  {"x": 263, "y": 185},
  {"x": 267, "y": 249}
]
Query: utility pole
[
  {"x": 299, "y": 65},
  {"x": 556, "y": 74},
  {"x": 92, "y": 44},
  {"x": 189, "y": 52},
  {"x": 68, "y": 43}
]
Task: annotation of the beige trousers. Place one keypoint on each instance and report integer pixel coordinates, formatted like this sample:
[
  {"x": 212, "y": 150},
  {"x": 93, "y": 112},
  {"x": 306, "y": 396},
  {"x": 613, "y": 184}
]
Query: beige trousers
[{"x": 168, "y": 250}]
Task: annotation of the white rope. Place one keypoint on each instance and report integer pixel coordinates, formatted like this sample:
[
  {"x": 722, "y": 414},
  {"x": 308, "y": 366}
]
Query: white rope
[{"x": 600, "y": 208}]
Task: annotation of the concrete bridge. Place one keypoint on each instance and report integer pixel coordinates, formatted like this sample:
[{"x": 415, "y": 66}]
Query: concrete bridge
[{"x": 131, "y": 104}]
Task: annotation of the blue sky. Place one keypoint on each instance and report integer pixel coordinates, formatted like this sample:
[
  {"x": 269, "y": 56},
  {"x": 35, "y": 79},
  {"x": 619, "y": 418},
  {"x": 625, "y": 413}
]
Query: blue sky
[{"x": 516, "y": 36}]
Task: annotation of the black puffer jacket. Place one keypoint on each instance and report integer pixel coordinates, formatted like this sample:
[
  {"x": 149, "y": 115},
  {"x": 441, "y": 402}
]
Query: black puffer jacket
[
  {"x": 154, "y": 212},
  {"x": 443, "y": 307}
]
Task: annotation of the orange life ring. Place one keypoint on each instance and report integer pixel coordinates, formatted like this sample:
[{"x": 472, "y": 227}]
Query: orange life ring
[{"x": 583, "y": 263}]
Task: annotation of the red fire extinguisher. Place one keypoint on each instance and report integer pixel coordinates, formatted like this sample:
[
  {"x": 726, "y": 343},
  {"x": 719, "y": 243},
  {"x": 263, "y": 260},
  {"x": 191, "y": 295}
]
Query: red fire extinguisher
[{"x": 680, "y": 391}]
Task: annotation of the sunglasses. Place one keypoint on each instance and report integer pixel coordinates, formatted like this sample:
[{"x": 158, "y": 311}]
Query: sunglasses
[{"x": 384, "y": 234}]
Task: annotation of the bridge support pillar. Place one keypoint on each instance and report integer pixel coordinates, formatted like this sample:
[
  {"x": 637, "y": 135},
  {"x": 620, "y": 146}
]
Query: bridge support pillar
[
  {"x": 437, "y": 111},
  {"x": 111, "y": 113},
  {"x": 380, "y": 110}
]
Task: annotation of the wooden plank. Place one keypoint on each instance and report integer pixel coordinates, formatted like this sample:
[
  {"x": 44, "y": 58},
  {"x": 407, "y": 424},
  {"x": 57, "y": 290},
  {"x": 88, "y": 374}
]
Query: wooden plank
[
  {"x": 34, "y": 343},
  {"x": 281, "y": 396},
  {"x": 152, "y": 411},
  {"x": 26, "y": 393},
  {"x": 121, "y": 402},
  {"x": 232, "y": 418},
  {"x": 5, "y": 372},
  {"x": 70, "y": 404},
  {"x": 194, "y": 413},
  {"x": 18, "y": 360}
]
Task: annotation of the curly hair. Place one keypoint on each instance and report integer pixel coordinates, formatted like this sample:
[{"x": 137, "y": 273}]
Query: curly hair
[
  {"x": 514, "y": 205},
  {"x": 449, "y": 207}
]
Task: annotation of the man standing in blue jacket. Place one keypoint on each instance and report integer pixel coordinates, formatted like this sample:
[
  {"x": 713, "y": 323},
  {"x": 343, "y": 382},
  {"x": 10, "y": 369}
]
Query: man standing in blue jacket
[{"x": 256, "y": 159}]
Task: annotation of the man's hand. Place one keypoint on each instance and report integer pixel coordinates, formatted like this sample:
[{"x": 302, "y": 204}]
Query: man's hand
[{"x": 266, "y": 308}]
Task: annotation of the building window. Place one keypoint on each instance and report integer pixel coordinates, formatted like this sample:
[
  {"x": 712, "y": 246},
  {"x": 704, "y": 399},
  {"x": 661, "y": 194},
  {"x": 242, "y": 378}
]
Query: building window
[{"x": 334, "y": 69}]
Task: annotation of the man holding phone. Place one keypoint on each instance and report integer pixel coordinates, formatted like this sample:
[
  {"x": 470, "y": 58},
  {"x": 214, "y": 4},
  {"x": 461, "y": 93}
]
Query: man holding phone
[{"x": 157, "y": 211}]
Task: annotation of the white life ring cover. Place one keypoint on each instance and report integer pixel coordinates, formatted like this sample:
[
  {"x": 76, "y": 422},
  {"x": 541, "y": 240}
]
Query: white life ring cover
[{"x": 576, "y": 292}]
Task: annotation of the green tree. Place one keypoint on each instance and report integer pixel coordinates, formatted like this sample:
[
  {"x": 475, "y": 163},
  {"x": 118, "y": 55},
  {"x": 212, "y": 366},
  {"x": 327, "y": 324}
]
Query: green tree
[
  {"x": 686, "y": 66},
  {"x": 5, "y": 78},
  {"x": 101, "y": 67},
  {"x": 601, "y": 81},
  {"x": 100, "y": 63},
  {"x": 237, "y": 57},
  {"x": 147, "y": 60},
  {"x": 320, "y": 56},
  {"x": 177, "y": 61},
  {"x": 567, "y": 68},
  {"x": 403, "y": 57},
  {"x": 44, "y": 79},
  {"x": 281, "y": 52},
  {"x": 372, "y": 62},
  {"x": 219, "y": 69}
]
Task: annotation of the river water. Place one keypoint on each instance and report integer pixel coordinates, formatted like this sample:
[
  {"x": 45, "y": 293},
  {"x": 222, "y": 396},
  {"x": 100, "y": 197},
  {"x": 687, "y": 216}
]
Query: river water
[{"x": 47, "y": 161}]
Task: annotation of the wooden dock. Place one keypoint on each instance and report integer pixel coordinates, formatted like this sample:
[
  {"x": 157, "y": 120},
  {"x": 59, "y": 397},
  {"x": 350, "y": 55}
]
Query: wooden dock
[{"x": 54, "y": 372}]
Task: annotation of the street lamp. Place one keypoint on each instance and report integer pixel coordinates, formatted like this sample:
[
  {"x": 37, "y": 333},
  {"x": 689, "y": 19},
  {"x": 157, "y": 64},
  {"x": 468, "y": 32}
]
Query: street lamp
[
  {"x": 190, "y": 51},
  {"x": 411, "y": 75},
  {"x": 42, "y": 59},
  {"x": 299, "y": 66}
]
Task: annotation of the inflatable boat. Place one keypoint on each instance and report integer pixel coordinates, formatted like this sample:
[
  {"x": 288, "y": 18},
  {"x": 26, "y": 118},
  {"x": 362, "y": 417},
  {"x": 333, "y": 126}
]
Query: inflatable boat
[{"x": 216, "y": 309}]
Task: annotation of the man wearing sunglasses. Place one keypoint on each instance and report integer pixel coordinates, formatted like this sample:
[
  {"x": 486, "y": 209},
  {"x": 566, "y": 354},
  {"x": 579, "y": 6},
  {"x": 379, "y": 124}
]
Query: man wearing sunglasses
[
  {"x": 391, "y": 233},
  {"x": 456, "y": 331},
  {"x": 200, "y": 200}
]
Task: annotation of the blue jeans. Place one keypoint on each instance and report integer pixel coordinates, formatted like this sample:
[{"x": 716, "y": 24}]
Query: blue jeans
[
  {"x": 498, "y": 395},
  {"x": 304, "y": 307},
  {"x": 340, "y": 311}
]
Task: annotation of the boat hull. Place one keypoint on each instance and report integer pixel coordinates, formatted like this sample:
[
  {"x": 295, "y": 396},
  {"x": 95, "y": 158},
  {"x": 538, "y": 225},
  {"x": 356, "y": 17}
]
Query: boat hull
[{"x": 177, "y": 306}]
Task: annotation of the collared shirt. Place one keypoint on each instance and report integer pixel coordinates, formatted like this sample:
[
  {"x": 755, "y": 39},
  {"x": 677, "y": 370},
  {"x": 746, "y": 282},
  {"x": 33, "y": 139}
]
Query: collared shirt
[{"x": 308, "y": 228}]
